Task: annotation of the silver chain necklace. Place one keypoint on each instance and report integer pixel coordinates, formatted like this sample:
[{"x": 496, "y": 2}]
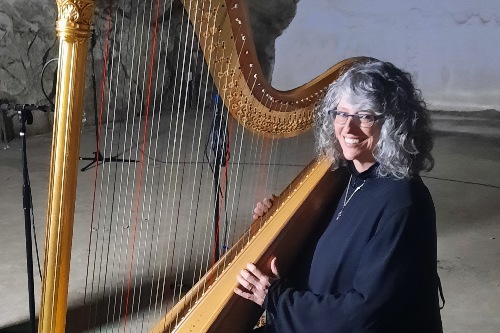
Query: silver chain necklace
[{"x": 346, "y": 200}]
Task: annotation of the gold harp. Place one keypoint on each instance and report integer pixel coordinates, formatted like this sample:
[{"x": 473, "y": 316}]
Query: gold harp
[{"x": 224, "y": 37}]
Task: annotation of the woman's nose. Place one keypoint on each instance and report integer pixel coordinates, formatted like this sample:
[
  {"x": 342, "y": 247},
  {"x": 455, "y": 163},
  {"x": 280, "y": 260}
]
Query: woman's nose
[{"x": 348, "y": 124}]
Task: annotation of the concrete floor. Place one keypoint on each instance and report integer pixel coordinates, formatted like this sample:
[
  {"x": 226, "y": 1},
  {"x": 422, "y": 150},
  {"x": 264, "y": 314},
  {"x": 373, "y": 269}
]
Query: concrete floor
[{"x": 465, "y": 184}]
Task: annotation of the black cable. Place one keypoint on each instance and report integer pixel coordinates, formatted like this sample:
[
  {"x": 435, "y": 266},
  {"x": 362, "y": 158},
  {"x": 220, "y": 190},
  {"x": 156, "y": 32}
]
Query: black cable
[
  {"x": 53, "y": 83},
  {"x": 34, "y": 236},
  {"x": 459, "y": 181}
]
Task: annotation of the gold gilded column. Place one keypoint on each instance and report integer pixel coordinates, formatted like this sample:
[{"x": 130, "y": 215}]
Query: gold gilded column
[{"x": 73, "y": 28}]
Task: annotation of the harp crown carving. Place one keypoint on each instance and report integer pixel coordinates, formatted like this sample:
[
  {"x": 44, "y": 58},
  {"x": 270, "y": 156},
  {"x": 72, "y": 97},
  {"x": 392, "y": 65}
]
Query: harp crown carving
[{"x": 76, "y": 11}]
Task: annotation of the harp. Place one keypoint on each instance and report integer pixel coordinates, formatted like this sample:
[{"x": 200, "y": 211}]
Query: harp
[{"x": 223, "y": 34}]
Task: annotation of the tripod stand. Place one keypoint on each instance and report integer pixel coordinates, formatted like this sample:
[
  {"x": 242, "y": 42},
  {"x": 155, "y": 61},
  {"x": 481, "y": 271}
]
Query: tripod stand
[{"x": 98, "y": 157}]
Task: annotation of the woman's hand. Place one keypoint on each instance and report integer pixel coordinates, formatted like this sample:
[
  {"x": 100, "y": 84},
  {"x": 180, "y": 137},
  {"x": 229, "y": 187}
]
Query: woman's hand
[
  {"x": 254, "y": 284},
  {"x": 262, "y": 207}
]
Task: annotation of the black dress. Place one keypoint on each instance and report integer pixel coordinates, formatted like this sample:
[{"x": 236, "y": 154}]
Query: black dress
[{"x": 373, "y": 269}]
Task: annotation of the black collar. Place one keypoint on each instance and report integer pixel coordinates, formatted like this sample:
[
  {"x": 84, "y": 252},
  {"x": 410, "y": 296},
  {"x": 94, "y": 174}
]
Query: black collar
[{"x": 359, "y": 177}]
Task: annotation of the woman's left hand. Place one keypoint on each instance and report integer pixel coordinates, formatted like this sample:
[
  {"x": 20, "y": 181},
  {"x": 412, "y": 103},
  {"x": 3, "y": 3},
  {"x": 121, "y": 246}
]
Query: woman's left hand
[{"x": 255, "y": 283}]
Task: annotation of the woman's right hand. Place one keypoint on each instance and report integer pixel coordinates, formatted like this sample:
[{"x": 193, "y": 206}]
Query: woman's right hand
[
  {"x": 254, "y": 284},
  {"x": 262, "y": 207}
]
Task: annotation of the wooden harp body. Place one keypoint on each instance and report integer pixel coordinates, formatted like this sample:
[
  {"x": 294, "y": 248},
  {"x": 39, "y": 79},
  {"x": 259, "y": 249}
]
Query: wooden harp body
[
  {"x": 224, "y": 37},
  {"x": 296, "y": 218}
]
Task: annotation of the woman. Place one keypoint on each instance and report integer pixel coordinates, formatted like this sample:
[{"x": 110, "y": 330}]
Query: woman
[{"x": 374, "y": 267}]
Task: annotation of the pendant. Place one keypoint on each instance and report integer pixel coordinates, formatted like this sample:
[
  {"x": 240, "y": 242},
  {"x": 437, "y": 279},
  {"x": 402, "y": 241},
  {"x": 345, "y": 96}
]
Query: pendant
[{"x": 340, "y": 213}]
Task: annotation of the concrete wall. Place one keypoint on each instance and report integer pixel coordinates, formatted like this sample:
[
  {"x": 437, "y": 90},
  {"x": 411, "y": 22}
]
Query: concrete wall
[{"x": 452, "y": 47}]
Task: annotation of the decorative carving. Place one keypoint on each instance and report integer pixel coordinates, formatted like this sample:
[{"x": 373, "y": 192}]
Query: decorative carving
[
  {"x": 76, "y": 11},
  {"x": 244, "y": 93},
  {"x": 274, "y": 123}
]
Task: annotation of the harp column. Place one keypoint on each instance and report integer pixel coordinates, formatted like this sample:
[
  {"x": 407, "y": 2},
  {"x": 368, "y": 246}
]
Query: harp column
[{"x": 73, "y": 28}]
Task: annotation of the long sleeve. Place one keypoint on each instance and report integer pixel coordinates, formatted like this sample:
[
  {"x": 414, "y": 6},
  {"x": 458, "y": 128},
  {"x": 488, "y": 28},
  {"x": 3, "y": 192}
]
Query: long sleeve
[{"x": 378, "y": 284}]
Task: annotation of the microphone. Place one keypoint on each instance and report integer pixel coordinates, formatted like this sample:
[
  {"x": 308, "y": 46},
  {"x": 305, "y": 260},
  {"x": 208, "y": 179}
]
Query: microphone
[
  {"x": 219, "y": 137},
  {"x": 31, "y": 107},
  {"x": 6, "y": 105}
]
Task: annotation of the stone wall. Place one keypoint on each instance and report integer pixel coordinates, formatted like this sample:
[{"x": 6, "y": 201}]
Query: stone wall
[
  {"x": 27, "y": 42},
  {"x": 28, "y": 49}
]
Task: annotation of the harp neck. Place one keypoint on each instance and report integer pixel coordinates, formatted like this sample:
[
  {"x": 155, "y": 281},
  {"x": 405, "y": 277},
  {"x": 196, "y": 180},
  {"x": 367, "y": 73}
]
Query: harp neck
[{"x": 227, "y": 43}]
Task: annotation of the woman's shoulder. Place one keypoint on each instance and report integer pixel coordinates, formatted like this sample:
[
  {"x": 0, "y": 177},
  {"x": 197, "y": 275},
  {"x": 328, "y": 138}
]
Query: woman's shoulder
[{"x": 400, "y": 193}]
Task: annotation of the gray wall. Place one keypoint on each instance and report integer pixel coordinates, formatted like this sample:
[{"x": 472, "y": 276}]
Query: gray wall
[{"x": 452, "y": 47}]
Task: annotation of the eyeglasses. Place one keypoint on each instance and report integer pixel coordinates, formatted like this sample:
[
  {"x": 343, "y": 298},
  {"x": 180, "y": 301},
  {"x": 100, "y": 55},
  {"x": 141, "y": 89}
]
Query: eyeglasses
[{"x": 362, "y": 119}]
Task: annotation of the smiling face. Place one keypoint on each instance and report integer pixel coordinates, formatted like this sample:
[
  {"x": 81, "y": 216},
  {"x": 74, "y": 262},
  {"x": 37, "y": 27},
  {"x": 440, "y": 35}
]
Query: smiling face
[{"x": 357, "y": 143}]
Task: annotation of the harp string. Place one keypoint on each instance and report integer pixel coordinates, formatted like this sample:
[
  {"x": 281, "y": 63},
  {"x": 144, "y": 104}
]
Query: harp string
[
  {"x": 116, "y": 303},
  {"x": 105, "y": 172},
  {"x": 130, "y": 219},
  {"x": 175, "y": 233},
  {"x": 107, "y": 229},
  {"x": 209, "y": 226},
  {"x": 106, "y": 141},
  {"x": 140, "y": 203},
  {"x": 107, "y": 150},
  {"x": 98, "y": 143},
  {"x": 242, "y": 163},
  {"x": 105, "y": 147},
  {"x": 257, "y": 192},
  {"x": 126, "y": 219},
  {"x": 136, "y": 214},
  {"x": 181, "y": 115},
  {"x": 229, "y": 134},
  {"x": 191, "y": 37},
  {"x": 224, "y": 14},
  {"x": 156, "y": 310},
  {"x": 157, "y": 195},
  {"x": 154, "y": 159},
  {"x": 199, "y": 258}
]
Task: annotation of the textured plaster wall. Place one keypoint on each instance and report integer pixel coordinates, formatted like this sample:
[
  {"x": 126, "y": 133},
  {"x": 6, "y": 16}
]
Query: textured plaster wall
[{"x": 451, "y": 47}]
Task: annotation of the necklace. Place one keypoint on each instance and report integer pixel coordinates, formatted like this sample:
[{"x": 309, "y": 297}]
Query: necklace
[{"x": 346, "y": 200}]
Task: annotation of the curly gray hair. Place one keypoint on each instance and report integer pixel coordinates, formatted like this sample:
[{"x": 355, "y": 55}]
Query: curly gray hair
[{"x": 405, "y": 142}]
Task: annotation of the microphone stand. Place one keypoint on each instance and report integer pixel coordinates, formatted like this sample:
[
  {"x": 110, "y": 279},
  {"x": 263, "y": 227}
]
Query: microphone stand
[
  {"x": 219, "y": 141},
  {"x": 25, "y": 116}
]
